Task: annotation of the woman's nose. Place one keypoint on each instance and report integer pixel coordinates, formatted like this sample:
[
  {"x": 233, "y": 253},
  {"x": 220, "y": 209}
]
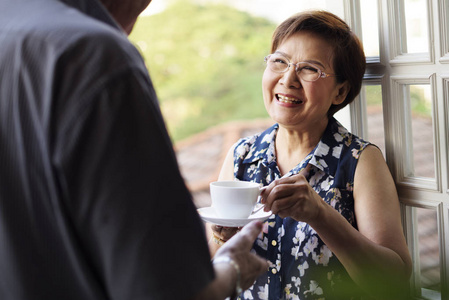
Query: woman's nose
[{"x": 290, "y": 78}]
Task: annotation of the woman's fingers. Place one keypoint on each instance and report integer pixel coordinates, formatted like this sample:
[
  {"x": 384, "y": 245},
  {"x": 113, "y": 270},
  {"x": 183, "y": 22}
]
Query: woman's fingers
[
  {"x": 238, "y": 248},
  {"x": 282, "y": 189},
  {"x": 300, "y": 177},
  {"x": 224, "y": 233},
  {"x": 247, "y": 235},
  {"x": 291, "y": 196}
]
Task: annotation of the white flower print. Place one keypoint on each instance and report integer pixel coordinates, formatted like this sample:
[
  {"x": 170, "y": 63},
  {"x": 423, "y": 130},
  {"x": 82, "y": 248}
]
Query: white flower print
[
  {"x": 323, "y": 257},
  {"x": 322, "y": 163},
  {"x": 290, "y": 294},
  {"x": 247, "y": 295},
  {"x": 271, "y": 154},
  {"x": 316, "y": 178},
  {"x": 292, "y": 297},
  {"x": 295, "y": 251},
  {"x": 336, "y": 197},
  {"x": 269, "y": 138},
  {"x": 302, "y": 268},
  {"x": 269, "y": 177},
  {"x": 311, "y": 245},
  {"x": 296, "y": 281},
  {"x": 337, "y": 151},
  {"x": 338, "y": 137},
  {"x": 314, "y": 288},
  {"x": 278, "y": 262},
  {"x": 355, "y": 153},
  {"x": 262, "y": 243},
  {"x": 348, "y": 140},
  {"x": 281, "y": 231},
  {"x": 260, "y": 152},
  {"x": 252, "y": 169},
  {"x": 287, "y": 289},
  {"x": 326, "y": 184},
  {"x": 322, "y": 149},
  {"x": 299, "y": 234},
  {"x": 242, "y": 150},
  {"x": 262, "y": 293},
  {"x": 361, "y": 145}
]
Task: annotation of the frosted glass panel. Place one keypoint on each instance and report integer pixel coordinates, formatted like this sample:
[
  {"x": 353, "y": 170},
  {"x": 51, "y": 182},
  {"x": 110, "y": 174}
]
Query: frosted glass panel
[
  {"x": 418, "y": 131},
  {"x": 374, "y": 113},
  {"x": 370, "y": 27},
  {"x": 422, "y": 131},
  {"x": 429, "y": 281},
  {"x": 416, "y": 27}
]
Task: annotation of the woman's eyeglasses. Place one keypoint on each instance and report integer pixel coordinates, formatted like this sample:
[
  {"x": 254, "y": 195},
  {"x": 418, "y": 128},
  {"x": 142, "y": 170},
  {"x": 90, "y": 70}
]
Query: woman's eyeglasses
[{"x": 306, "y": 71}]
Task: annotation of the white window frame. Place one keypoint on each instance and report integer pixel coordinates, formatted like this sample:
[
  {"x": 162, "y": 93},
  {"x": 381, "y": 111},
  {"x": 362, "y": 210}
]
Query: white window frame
[{"x": 392, "y": 70}]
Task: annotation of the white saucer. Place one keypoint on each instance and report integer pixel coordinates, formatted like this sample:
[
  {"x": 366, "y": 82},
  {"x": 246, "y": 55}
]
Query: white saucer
[{"x": 208, "y": 214}]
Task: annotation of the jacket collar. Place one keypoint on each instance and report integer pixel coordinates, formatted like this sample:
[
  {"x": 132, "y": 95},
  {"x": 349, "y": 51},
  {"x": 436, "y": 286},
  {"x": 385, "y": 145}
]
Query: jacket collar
[{"x": 92, "y": 8}]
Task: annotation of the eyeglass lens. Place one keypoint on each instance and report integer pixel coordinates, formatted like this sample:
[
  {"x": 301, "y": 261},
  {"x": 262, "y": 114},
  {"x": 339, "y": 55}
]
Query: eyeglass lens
[{"x": 280, "y": 64}]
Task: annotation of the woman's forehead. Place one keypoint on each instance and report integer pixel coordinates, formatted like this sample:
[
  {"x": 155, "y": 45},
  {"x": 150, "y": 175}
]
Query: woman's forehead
[{"x": 307, "y": 46}]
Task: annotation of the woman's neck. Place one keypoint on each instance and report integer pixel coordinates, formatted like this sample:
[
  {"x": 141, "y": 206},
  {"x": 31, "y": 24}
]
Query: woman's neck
[{"x": 293, "y": 144}]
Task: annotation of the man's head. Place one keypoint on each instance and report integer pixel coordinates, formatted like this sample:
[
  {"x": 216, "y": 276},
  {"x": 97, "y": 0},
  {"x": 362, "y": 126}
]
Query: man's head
[{"x": 125, "y": 12}]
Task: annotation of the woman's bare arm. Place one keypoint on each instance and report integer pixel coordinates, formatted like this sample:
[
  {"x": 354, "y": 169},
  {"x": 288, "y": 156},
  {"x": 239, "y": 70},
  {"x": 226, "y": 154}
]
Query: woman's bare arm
[{"x": 376, "y": 256}]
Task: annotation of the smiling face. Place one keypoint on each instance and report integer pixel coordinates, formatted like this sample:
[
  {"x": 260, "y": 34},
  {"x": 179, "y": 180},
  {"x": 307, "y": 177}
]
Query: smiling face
[{"x": 293, "y": 102}]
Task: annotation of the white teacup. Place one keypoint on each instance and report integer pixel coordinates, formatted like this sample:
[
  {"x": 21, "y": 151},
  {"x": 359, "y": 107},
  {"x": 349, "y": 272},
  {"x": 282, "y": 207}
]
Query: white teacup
[{"x": 234, "y": 199}]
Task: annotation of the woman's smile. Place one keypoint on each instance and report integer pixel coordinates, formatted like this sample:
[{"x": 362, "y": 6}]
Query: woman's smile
[{"x": 288, "y": 99}]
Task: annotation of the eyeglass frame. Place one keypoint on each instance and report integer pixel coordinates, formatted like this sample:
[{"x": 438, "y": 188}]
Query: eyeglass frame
[{"x": 321, "y": 73}]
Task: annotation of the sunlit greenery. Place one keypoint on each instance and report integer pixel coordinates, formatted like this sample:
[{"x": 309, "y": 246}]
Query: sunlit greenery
[
  {"x": 373, "y": 95},
  {"x": 206, "y": 62},
  {"x": 420, "y": 104}
]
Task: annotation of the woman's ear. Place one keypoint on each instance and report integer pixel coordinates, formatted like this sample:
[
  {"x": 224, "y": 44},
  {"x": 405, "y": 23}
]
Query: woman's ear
[{"x": 342, "y": 92}]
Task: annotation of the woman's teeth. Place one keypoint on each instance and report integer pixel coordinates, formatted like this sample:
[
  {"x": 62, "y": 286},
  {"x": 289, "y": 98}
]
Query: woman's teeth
[{"x": 286, "y": 99}]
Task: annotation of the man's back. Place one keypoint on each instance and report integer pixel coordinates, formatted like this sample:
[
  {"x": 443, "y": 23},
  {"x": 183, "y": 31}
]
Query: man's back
[
  {"x": 71, "y": 150},
  {"x": 29, "y": 58}
]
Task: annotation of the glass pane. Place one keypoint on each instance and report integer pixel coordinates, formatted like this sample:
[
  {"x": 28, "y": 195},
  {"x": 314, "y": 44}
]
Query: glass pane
[
  {"x": 374, "y": 113},
  {"x": 416, "y": 26},
  {"x": 370, "y": 27},
  {"x": 423, "y": 161},
  {"x": 428, "y": 282}
]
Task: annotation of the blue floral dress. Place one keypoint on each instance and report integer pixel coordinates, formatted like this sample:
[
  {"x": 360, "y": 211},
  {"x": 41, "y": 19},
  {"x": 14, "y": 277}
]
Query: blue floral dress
[{"x": 303, "y": 267}]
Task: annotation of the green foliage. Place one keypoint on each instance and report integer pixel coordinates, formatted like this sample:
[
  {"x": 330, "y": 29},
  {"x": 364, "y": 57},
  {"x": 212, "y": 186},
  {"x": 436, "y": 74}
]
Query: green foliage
[
  {"x": 206, "y": 62},
  {"x": 373, "y": 94},
  {"x": 420, "y": 104}
]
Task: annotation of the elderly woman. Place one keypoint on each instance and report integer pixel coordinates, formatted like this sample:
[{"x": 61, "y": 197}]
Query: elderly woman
[{"x": 335, "y": 232}]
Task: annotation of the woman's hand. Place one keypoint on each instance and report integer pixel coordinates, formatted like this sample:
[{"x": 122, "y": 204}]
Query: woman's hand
[
  {"x": 241, "y": 272},
  {"x": 238, "y": 248},
  {"x": 224, "y": 233},
  {"x": 218, "y": 235},
  {"x": 293, "y": 197}
]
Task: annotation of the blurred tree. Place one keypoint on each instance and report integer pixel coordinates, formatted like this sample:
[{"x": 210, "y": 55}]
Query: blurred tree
[{"x": 206, "y": 62}]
